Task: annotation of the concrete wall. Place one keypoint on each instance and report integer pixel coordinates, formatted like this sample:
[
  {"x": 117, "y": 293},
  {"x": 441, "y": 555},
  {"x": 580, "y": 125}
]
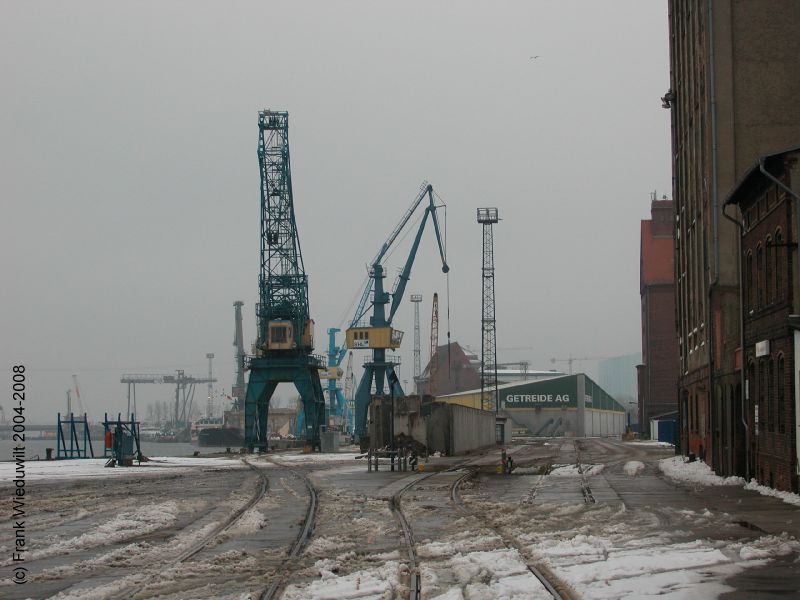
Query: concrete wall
[
  {"x": 447, "y": 428},
  {"x": 602, "y": 423},
  {"x": 596, "y": 423},
  {"x": 470, "y": 429}
]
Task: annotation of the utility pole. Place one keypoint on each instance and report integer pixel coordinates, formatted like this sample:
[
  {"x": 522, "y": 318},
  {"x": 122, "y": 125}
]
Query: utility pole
[
  {"x": 416, "y": 299},
  {"x": 210, "y": 401},
  {"x": 488, "y": 217}
]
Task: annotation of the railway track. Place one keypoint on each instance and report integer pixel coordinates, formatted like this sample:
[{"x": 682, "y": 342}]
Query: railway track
[
  {"x": 218, "y": 530},
  {"x": 548, "y": 579},
  {"x": 301, "y": 541}
]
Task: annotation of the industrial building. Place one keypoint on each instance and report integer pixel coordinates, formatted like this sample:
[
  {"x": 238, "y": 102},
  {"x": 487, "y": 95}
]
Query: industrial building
[
  {"x": 658, "y": 374},
  {"x": 459, "y": 370},
  {"x": 767, "y": 199},
  {"x": 550, "y": 407},
  {"x": 733, "y": 97}
]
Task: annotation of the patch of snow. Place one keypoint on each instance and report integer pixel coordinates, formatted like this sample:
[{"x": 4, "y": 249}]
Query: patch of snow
[
  {"x": 495, "y": 574},
  {"x": 652, "y": 443},
  {"x": 462, "y": 543},
  {"x": 575, "y": 471},
  {"x": 678, "y": 468},
  {"x": 787, "y": 497},
  {"x": 250, "y": 522},
  {"x": 379, "y": 582},
  {"x": 317, "y": 457},
  {"x": 143, "y": 520},
  {"x": 633, "y": 468},
  {"x": 95, "y": 467}
]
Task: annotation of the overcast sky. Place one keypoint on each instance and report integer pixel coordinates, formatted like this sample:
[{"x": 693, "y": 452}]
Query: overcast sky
[{"x": 130, "y": 183}]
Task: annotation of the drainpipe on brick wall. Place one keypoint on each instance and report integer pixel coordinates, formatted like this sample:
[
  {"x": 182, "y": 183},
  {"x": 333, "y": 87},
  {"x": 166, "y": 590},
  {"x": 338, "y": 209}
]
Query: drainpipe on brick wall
[
  {"x": 742, "y": 373},
  {"x": 714, "y": 234}
]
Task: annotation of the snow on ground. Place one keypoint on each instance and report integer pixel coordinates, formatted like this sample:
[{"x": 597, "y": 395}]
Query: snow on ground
[
  {"x": 141, "y": 521},
  {"x": 787, "y": 497},
  {"x": 651, "y": 443},
  {"x": 317, "y": 457},
  {"x": 490, "y": 575},
  {"x": 95, "y": 467},
  {"x": 381, "y": 582},
  {"x": 633, "y": 468},
  {"x": 575, "y": 470},
  {"x": 604, "y": 552},
  {"x": 677, "y": 468}
]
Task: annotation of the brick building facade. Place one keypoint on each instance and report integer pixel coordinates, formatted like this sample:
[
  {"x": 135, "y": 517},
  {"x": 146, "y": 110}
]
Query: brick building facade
[
  {"x": 658, "y": 373},
  {"x": 768, "y": 219},
  {"x": 733, "y": 97}
]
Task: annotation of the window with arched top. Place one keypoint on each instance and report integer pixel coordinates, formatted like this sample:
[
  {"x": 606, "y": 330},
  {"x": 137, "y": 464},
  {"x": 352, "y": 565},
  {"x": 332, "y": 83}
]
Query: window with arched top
[
  {"x": 768, "y": 268},
  {"x": 781, "y": 395},
  {"x": 750, "y": 276},
  {"x": 779, "y": 249},
  {"x": 769, "y": 405},
  {"x": 759, "y": 276}
]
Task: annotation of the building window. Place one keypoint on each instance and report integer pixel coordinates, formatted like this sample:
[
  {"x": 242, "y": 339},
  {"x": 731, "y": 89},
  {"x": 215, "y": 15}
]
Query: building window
[
  {"x": 771, "y": 396},
  {"x": 750, "y": 279},
  {"x": 759, "y": 276},
  {"x": 778, "y": 266},
  {"x": 770, "y": 298},
  {"x": 781, "y": 395}
]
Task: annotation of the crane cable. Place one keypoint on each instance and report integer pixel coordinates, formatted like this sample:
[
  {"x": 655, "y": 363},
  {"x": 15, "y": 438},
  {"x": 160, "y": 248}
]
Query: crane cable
[{"x": 447, "y": 278}]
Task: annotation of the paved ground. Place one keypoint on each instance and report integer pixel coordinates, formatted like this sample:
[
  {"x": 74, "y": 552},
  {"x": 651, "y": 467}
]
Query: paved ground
[{"x": 596, "y": 516}]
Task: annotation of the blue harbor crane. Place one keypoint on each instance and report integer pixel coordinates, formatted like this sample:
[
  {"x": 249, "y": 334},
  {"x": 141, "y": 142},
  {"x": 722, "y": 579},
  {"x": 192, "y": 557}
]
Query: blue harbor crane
[
  {"x": 378, "y": 335},
  {"x": 337, "y": 406},
  {"x": 285, "y": 337}
]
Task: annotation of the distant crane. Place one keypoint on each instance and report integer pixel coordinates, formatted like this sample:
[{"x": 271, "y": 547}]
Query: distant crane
[
  {"x": 571, "y": 359},
  {"x": 379, "y": 335},
  {"x": 433, "y": 366},
  {"x": 238, "y": 341},
  {"x": 416, "y": 299},
  {"x": 184, "y": 392},
  {"x": 285, "y": 337}
]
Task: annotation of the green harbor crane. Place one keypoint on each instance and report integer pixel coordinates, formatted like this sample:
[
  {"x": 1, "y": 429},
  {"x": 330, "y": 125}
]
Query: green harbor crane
[{"x": 285, "y": 338}]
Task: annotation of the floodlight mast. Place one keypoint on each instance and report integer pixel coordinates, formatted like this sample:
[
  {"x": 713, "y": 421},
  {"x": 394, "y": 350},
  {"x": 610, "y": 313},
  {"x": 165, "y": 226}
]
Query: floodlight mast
[{"x": 488, "y": 217}]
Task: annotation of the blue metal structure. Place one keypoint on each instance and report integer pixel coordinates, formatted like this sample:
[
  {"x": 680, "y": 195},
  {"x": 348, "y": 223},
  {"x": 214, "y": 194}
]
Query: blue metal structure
[
  {"x": 122, "y": 440},
  {"x": 378, "y": 335},
  {"x": 285, "y": 330},
  {"x": 336, "y": 401},
  {"x": 80, "y": 444}
]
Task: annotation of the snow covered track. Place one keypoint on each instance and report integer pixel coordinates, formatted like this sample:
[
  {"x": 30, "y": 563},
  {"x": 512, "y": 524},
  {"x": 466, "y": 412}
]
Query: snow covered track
[
  {"x": 552, "y": 584},
  {"x": 216, "y": 531},
  {"x": 303, "y": 536}
]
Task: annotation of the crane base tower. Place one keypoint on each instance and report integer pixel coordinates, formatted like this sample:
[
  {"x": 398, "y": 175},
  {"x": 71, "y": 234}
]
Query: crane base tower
[
  {"x": 265, "y": 375},
  {"x": 285, "y": 343}
]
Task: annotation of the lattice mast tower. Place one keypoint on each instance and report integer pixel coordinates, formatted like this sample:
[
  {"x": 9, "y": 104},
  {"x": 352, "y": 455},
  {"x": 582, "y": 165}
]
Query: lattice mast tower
[
  {"x": 416, "y": 299},
  {"x": 285, "y": 337},
  {"x": 489, "y": 396}
]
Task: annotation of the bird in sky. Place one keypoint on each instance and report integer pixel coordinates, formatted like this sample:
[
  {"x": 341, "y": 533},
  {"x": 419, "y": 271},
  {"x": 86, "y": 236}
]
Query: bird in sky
[{"x": 533, "y": 57}]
